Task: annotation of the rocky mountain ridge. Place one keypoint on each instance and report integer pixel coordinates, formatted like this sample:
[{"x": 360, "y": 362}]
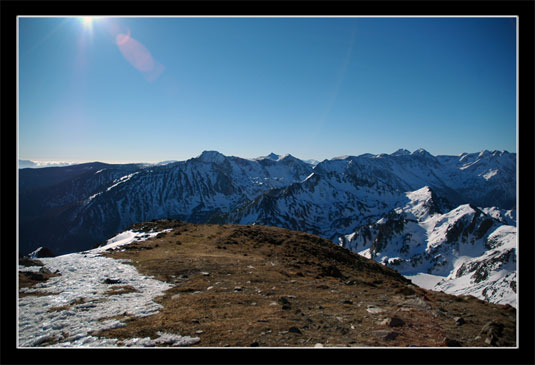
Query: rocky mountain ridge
[
  {"x": 331, "y": 199},
  {"x": 470, "y": 251},
  {"x": 344, "y": 199}
]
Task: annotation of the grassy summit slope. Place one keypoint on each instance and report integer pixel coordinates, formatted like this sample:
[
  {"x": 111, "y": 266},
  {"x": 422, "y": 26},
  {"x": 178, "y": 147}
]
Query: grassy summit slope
[{"x": 266, "y": 286}]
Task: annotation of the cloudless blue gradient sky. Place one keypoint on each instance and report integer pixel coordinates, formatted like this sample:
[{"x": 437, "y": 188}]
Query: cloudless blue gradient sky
[{"x": 152, "y": 89}]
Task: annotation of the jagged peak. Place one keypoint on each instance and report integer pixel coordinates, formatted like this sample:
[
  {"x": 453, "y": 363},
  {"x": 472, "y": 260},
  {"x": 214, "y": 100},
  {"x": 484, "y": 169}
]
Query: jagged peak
[
  {"x": 465, "y": 209},
  {"x": 426, "y": 201},
  {"x": 288, "y": 157},
  {"x": 421, "y": 152},
  {"x": 401, "y": 152},
  {"x": 463, "y": 156},
  {"x": 484, "y": 153},
  {"x": 380, "y": 155},
  {"x": 211, "y": 156},
  {"x": 424, "y": 193},
  {"x": 274, "y": 157},
  {"x": 493, "y": 153},
  {"x": 500, "y": 153}
]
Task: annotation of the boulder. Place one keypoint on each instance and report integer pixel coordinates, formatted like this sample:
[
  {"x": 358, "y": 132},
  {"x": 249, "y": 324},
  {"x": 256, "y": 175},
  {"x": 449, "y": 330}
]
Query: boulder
[
  {"x": 43, "y": 252},
  {"x": 295, "y": 330},
  {"x": 395, "y": 322},
  {"x": 451, "y": 342}
]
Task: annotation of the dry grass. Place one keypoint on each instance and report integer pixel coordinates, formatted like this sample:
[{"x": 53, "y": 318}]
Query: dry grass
[
  {"x": 30, "y": 279},
  {"x": 267, "y": 286},
  {"x": 121, "y": 289},
  {"x": 36, "y": 294}
]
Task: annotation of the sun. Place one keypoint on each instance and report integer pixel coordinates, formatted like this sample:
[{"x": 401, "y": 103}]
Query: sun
[{"x": 86, "y": 20}]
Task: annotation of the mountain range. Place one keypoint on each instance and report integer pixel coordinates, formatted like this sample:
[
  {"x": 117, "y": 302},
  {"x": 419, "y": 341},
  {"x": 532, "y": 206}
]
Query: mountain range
[{"x": 441, "y": 215}]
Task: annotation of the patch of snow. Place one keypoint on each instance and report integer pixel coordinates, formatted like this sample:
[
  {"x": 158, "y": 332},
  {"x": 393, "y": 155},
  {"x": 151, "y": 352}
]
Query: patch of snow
[
  {"x": 34, "y": 254},
  {"x": 79, "y": 294},
  {"x": 383, "y": 220},
  {"x": 93, "y": 197},
  {"x": 127, "y": 237},
  {"x": 426, "y": 281},
  {"x": 490, "y": 174},
  {"x": 366, "y": 253},
  {"x": 309, "y": 176},
  {"x": 122, "y": 180},
  {"x": 29, "y": 268}
]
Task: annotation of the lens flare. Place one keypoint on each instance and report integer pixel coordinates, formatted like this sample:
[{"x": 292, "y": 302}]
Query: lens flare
[{"x": 86, "y": 20}]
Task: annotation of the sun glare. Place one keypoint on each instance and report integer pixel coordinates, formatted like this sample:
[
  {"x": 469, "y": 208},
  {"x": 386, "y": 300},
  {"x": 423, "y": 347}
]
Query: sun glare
[{"x": 87, "y": 20}]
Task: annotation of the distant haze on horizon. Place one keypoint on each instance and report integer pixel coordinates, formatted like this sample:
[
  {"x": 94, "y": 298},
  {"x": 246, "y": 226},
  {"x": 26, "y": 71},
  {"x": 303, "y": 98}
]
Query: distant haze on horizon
[
  {"x": 50, "y": 163},
  {"x": 126, "y": 89}
]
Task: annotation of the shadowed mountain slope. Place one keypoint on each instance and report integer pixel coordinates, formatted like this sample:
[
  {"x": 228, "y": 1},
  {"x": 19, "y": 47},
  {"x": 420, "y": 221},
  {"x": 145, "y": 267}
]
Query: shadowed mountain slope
[{"x": 71, "y": 208}]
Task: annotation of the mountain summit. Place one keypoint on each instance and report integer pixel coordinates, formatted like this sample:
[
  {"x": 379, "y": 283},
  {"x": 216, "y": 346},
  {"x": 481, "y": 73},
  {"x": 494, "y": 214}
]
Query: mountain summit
[
  {"x": 401, "y": 152},
  {"x": 211, "y": 156},
  {"x": 243, "y": 286},
  {"x": 273, "y": 156}
]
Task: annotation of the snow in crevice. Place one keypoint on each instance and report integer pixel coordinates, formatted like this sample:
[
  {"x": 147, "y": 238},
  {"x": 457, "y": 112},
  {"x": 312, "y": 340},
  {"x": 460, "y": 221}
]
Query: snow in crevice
[
  {"x": 77, "y": 303},
  {"x": 34, "y": 254},
  {"x": 122, "y": 180},
  {"x": 93, "y": 197},
  {"x": 489, "y": 174}
]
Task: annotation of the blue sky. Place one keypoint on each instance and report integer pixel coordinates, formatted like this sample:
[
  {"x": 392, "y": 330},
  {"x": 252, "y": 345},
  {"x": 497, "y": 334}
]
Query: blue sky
[{"x": 152, "y": 89}]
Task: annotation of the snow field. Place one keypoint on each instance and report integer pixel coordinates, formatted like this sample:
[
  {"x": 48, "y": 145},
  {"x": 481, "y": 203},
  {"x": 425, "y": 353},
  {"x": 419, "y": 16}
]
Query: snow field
[
  {"x": 78, "y": 303},
  {"x": 426, "y": 281},
  {"x": 428, "y": 236}
]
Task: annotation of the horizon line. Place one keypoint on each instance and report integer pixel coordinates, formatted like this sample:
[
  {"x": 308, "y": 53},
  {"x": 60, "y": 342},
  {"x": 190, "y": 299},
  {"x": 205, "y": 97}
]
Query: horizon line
[{"x": 79, "y": 162}]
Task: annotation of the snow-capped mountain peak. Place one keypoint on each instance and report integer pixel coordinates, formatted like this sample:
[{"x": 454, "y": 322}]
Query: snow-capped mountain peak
[
  {"x": 420, "y": 152},
  {"x": 401, "y": 152},
  {"x": 273, "y": 156},
  {"x": 484, "y": 153},
  {"x": 421, "y": 203},
  {"x": 466, "y": 249},
  {"x": 211, "y": 156}
]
